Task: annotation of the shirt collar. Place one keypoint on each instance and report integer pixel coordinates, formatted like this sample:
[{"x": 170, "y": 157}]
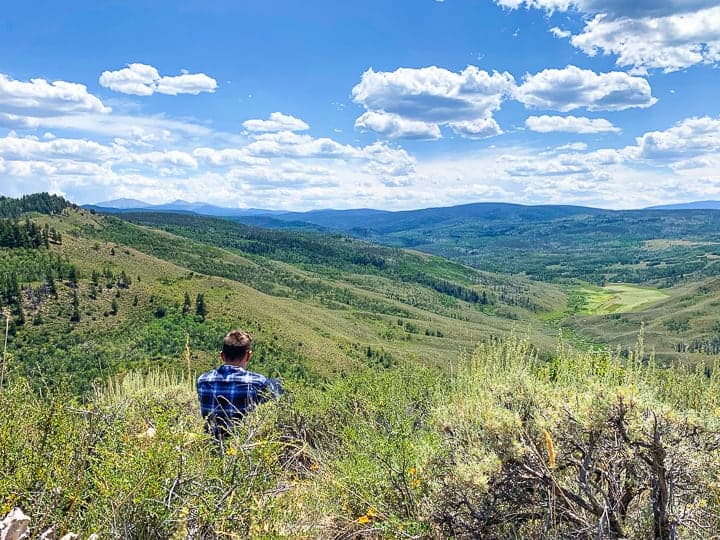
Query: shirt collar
[{"x": 225, "y": 368}]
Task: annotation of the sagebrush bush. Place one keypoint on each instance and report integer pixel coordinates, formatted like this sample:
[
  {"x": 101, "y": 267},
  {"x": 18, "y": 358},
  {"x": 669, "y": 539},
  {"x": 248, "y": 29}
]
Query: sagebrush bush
[{"x": 501, "y": 444}]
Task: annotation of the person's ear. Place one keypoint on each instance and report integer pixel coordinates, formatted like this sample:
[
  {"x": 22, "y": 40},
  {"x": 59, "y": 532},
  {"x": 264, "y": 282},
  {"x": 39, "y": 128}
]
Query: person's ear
[{"x": 222, "y": 356}]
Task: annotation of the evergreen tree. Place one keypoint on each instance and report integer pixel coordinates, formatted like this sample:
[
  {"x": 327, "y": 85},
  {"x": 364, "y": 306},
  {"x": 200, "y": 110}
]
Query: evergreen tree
[
  {"x": 50, "y": 283},
  {"x": 75, "y": 317},
  {"x": 19, "y": 314},
  {"x": 114, "y": 307},
  {"x": 200, "y": 307},
  {"x": 73, "y": 275},
  {"x": 186, "y": 303},
  {"x": 92, "y": 292},
  {"x": 123, "y": 280}
]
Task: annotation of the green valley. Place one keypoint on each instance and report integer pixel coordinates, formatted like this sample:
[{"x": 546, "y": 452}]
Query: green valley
[{"x": 425, "y": 397}]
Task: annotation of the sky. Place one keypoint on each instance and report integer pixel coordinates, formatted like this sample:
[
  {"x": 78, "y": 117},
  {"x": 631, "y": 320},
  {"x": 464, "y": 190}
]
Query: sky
[{"x": 383, "y": 104}]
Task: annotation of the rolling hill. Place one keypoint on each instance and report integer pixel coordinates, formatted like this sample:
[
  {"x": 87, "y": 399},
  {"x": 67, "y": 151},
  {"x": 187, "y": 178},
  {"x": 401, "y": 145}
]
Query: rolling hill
[{"x": 320, "y": 305}]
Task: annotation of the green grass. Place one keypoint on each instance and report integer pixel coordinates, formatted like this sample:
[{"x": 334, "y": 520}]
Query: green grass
[
  {"x": 618, "y": 298},
  {"x": 310, "y": 319},
  {"x": 487, "y": 447}
]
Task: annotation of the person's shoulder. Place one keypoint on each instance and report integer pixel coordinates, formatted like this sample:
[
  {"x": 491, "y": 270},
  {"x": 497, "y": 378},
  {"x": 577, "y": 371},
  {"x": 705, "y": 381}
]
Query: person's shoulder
[
  {"x": 256, "y": 378},
  {"x": 208, "y": 376}
]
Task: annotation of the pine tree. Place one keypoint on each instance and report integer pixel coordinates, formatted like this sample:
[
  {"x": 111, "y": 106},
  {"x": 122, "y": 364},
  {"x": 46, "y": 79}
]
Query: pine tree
[
  {"x": 92, "y": 293},
  {"x": 114, "y": 307},
  {"x": 75, "y": 317},
  {"x": 73, "y": 275},
  {"x": 200, "y": 308},
  {"x": 186, "y": 303},
  {"x": 123, "y": 280},
  {"x": 19, "y": 314},
  {"x": 50, "y": 282}
]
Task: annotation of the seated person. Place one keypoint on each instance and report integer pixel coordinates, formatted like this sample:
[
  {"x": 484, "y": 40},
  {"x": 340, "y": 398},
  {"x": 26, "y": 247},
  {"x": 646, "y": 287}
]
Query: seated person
[{"x": 229, "y": 391}]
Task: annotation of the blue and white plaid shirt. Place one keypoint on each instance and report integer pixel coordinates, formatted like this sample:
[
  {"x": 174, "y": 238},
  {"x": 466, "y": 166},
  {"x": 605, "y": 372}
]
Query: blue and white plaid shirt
[{"x": 228, "y": 392}]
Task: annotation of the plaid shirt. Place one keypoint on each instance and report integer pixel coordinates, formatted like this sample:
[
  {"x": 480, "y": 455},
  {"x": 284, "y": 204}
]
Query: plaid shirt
[{"x": 228, "y": 392}]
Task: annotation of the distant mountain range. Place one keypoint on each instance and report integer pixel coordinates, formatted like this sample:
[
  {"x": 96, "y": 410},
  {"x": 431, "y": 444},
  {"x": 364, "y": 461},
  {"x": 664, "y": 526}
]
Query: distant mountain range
[
  {"x": 697, "y": 205},
  {"x": 368, "y": 223},
  {"x": 205, "y": 209}
]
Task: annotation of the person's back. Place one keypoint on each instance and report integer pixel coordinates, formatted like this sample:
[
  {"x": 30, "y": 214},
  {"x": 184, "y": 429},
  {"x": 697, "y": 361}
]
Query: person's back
[{"x": 228, "y": 392}]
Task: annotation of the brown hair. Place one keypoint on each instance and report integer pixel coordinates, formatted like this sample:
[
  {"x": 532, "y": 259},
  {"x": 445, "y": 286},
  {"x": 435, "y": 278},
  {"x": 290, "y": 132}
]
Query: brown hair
[{"x": 235, "y": 344}]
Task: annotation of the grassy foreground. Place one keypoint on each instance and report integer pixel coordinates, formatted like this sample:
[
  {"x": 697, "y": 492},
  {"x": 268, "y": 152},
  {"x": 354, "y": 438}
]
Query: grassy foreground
[{"x": 501, "y": 445}]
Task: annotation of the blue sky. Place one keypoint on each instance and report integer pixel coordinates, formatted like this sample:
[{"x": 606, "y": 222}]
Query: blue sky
[{"x": 395, "y": 105}]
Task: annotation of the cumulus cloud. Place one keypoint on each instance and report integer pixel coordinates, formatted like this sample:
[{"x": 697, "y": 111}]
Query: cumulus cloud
[
  {"x": 480, "y": 128},
  {"x": 573, "y": 88},
  {"x": 687, "y": 139},
  {"x": 39, "y": 97},
  {"x": 395, "y": 126},
  {"x": 670, "y": 43},
  {"x": 643, "y": 34},
  {"x": 569, "y": 124},
  {"x": 277, "y": 122},
  {"x": 145, "y": 80},
  {"x": 29, "y": 148},
  {"x": 402, "y": 99}
]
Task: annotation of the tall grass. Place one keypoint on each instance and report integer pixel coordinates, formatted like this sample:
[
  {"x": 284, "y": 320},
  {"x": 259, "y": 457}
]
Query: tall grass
[{"x": 501, "y": 444}]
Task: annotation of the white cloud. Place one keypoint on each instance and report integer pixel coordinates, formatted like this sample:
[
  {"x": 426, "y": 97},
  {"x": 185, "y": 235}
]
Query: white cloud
[
  {"x": 277, "y": 122},
  {"x": 560, "y": 33},
  {"x": 569, "y": 124},
  {"x": 13, "y": 147},
  {"x": 395, "y": 126},
  {"x": 669, "y": 43},
  {"x": 39, "y": 97},
  {"x": 480, "y": 128},
  {"x": 645, "y": 34},
  {"x": 174, "y": 158},
  {"x": 573, "y": 88},
  {"x": 431, "y": 95},
  {"x": 687, "y": 139},
  {"x": 144, "y": 80},
  {"x": 228, "y": 156}
]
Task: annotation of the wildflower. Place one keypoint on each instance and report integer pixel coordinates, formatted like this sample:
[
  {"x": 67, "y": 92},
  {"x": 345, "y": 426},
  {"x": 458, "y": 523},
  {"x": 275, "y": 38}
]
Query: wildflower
[
  {"x": 364, "y": 519},
  {"x": 231, "y": 451},
  {"x": 550, "y": 448}
]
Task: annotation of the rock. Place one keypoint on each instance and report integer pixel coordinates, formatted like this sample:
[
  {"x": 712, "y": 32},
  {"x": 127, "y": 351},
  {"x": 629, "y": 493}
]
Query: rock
[
  {"x": 15, "y": 526},
  {"x": 49, "y": 534},
  {"x": 149, "y": 433},
  {"x": 70, "y": 536}
]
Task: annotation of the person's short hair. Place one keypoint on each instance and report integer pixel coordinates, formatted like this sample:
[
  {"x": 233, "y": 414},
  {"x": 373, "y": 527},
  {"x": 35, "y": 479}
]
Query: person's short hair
[{"x": 235, "y": 344}]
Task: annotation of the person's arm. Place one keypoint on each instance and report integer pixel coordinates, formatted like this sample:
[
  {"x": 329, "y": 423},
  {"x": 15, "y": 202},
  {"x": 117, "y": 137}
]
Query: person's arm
[{"x": 274, "y": 387}]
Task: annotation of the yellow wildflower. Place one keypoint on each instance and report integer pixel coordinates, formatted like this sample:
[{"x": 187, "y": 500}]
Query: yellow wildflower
[
  {"x": 231, "y": 451},
  {"x": 550, "y": 448},
  {"x": 363, "y": 519}
]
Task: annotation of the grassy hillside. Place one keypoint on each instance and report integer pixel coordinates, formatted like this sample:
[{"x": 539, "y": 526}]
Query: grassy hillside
[
  {"x": 502, "y": 445},
  {"x": 412, "y": 407},
  {"x": 318, "y": 305},
  {"x": 549, "y": 243},
  {"x": 685, "y": 326}
]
